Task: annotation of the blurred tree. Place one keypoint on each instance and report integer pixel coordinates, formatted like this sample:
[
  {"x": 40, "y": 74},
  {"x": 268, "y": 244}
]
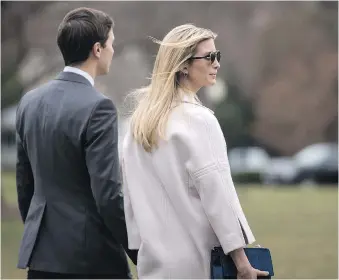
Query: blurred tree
[
  {"x": 295, "y": 95},
  {"x": 235, "y": 117},
  {"x": 15, "y": 45}
]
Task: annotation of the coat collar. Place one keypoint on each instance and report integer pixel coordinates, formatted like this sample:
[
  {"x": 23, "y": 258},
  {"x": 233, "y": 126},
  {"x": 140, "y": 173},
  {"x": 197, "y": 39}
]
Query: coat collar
[{"x": 73, "y": 77}]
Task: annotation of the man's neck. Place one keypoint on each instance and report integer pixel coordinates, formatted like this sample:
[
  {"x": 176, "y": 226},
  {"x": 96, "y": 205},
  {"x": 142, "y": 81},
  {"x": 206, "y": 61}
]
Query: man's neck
[
  {"x": 86, "y": 68},
  {"x": 81, "y": 72}
]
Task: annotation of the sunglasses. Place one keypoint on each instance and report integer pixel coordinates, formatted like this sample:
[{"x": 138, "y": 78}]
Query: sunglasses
[{"x": 211, "y": 56}]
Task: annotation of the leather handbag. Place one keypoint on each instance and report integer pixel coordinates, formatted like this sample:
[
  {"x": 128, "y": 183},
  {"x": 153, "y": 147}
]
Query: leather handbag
[{"x": 223, "y": 267}]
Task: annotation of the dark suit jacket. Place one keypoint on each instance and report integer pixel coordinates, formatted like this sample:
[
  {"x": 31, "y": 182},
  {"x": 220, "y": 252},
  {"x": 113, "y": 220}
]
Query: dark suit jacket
[{"x": 68, "y": 180}]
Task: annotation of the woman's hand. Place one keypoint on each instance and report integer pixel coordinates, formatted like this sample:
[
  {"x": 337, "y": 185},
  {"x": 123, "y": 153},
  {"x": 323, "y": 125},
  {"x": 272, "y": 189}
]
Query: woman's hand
[
  {"x": 249, "y": 272},
  {"x": 245, "y": 270}
]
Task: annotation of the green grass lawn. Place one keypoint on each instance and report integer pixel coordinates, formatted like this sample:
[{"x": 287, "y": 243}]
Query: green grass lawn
[{"x": 299, "y": 225}]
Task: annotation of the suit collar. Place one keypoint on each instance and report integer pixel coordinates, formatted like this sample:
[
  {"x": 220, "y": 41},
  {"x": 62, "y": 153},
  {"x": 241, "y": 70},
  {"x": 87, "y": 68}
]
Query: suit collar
[
  {"x": 80, "y": 72},
  {"x": 73, "y": 77}
]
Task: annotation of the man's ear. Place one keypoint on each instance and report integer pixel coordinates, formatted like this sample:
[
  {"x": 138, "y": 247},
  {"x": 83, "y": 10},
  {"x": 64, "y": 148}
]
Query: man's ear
[{"x": 96, "y": 50}]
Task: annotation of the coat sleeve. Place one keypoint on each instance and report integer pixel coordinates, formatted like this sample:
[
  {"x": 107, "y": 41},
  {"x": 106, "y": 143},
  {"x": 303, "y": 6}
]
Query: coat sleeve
[
  {"x": 208, "y": 166},
  {"x": 24, "y": 179},
  {"x": 101, "y": 149},
  {"x": 134, "y": 239}
]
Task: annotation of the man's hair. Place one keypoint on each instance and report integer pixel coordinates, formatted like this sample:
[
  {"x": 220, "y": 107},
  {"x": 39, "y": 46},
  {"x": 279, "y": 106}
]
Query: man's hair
[{"x": 79, "y": 31}]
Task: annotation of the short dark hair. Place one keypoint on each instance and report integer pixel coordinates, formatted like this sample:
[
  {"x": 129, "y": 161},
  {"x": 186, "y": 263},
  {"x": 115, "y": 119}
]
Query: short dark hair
[{"x": 79, "y": 31}]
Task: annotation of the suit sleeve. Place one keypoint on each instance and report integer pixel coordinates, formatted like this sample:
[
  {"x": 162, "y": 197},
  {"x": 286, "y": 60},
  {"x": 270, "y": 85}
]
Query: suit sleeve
[
  {"x": 24, "y": 179},
  {"x": 102, "y": 161},
  {"x": 209, "y": 170}
]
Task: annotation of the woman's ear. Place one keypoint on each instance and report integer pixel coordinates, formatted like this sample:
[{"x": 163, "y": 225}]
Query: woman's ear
[{"x": 185, "y": 70}]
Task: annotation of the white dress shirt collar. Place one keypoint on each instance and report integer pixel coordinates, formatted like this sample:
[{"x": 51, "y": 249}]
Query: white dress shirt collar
[{"x": 79, "y": 72}]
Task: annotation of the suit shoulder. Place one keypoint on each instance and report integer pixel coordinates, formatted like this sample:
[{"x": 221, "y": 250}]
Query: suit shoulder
[
  {"x": 89, "y": 98},
  {"x": 37, "y": 90},
  {"x": 103, "y": 100},
  {"x": 33, "y": 94},
  {"x": 97, "y": 96}
]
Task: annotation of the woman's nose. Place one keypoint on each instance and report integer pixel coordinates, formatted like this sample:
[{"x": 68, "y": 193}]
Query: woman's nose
[{"x": 216, "y": 64}]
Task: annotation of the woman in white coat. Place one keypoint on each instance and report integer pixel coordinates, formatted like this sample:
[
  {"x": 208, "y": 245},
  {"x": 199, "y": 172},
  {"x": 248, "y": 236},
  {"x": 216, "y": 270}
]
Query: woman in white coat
[{"x": 179, "y": 196}]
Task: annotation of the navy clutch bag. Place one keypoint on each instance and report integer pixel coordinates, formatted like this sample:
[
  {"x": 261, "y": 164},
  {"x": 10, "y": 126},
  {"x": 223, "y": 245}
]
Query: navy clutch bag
[{"x": 223, "y": 267}]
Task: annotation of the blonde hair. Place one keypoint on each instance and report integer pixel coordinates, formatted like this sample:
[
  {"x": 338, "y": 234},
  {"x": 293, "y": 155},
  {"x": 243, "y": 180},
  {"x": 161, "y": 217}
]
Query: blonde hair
[{"x": 149, "y": 120}]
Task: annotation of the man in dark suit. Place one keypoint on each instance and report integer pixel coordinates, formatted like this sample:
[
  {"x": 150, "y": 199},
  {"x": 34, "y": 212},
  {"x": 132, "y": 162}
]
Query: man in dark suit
[{"x": 68, "y": 172}]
